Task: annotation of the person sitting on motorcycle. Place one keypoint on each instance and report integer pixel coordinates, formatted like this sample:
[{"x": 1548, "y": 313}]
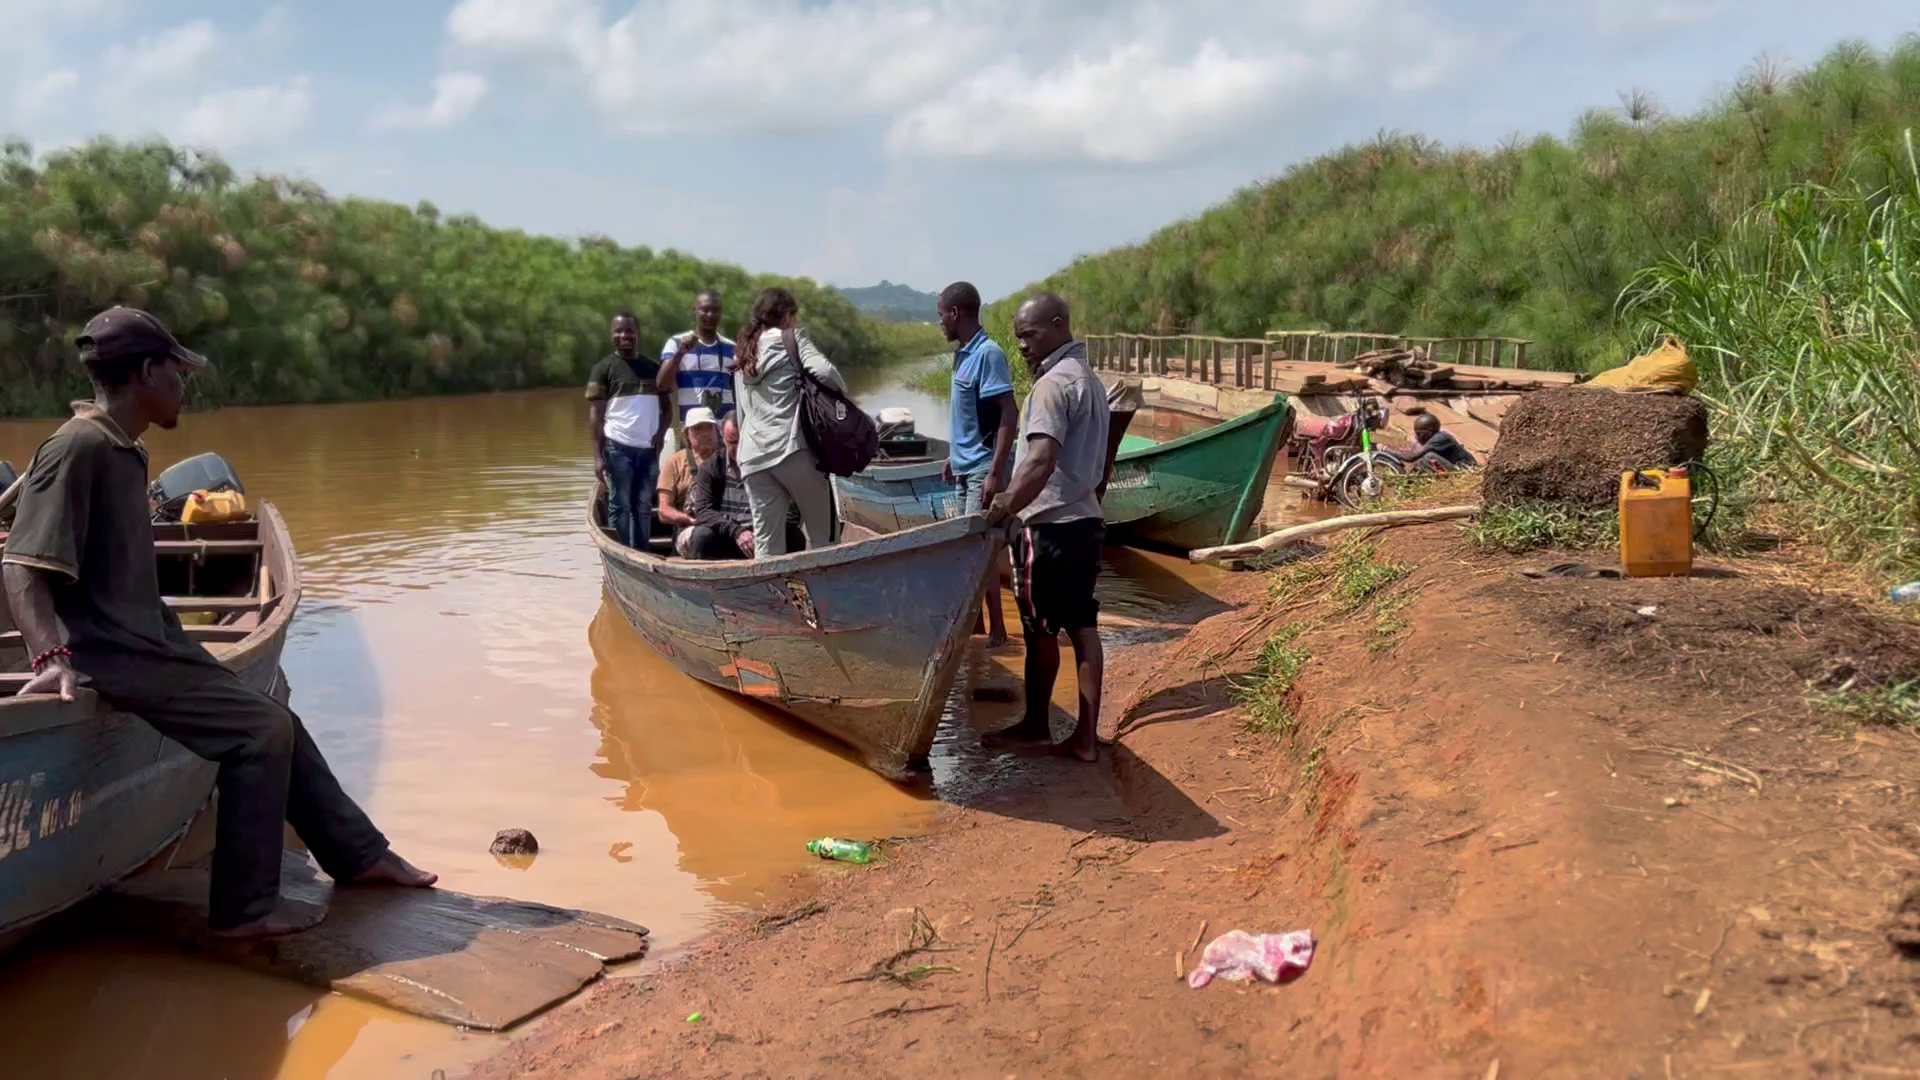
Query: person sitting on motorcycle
[{"x": 1433, "y": 449}]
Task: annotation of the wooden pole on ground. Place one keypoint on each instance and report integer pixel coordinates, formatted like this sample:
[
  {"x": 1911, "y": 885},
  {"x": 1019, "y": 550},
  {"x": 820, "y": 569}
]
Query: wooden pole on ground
[{"x": 1274, "y": 540}]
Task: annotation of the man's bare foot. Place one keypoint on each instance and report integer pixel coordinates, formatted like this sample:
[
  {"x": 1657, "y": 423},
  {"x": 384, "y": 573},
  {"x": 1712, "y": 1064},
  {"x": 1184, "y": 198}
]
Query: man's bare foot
[
  {"x": 1083, "y": 744},
  {"x": 1024, "y": 733},
  {"x": 287, "y": 917},
  {"x": 997, "y": 639},
  {"x": 391, "y": 869}
]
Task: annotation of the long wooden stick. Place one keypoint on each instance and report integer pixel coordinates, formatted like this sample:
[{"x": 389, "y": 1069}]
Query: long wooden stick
[{"x": 1315, "y": 528}]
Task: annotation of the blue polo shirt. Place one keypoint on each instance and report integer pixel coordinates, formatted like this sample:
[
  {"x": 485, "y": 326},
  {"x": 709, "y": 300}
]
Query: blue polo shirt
[{"x": 980, "y": 373}]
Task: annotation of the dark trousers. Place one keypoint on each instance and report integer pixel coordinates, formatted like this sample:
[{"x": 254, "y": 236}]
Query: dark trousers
[
  {"x": 270, "y": 772},
  {"x": 711, "y": 544},
  {"x": 633, "y": 472}
]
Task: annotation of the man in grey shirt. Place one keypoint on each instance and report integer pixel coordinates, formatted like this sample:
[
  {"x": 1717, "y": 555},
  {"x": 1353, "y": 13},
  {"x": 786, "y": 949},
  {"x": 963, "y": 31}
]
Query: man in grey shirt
[{"x": 1056, "y": 491}]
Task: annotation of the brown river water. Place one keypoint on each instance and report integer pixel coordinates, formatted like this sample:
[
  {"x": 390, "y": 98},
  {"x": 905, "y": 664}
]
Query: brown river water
[{"x": 455, "y": 661}]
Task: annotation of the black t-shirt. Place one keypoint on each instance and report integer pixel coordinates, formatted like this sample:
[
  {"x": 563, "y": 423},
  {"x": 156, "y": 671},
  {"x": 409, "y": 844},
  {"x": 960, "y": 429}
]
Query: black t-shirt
[
  {"x": 631, "y": 389},
  {"x": 1444, "y": 444},
  {"x": 83, "y": 518}
]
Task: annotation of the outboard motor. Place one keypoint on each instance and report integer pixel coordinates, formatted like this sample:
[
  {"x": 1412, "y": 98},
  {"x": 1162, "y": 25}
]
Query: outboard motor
[
  {"x": 202, "y": 472},
  {"x": 895, "y": 424}
]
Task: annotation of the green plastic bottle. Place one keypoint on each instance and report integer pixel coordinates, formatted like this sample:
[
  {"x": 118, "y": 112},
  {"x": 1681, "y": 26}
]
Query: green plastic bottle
[{"x": 830, "y": 847}]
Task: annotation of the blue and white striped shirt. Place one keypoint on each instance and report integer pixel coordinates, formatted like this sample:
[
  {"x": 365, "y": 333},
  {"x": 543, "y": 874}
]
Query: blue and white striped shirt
[{"x": 706, "y": 372}]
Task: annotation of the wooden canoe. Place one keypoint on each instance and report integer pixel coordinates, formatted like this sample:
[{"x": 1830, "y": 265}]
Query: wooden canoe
[
  {"x": 860, "y": 640},
  {"x": 89, "y": 794},
  {"x": 1196, "y": 491}
]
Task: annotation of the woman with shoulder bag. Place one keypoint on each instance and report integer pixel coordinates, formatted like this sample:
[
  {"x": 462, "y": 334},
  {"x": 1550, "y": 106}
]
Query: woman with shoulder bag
[{"x": 779, "y": 468}]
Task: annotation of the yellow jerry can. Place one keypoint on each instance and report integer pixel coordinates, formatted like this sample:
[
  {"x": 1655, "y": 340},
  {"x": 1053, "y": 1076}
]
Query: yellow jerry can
[
  {"x": 1656, "y": 523},
  {"x": 214, "y": 507}
]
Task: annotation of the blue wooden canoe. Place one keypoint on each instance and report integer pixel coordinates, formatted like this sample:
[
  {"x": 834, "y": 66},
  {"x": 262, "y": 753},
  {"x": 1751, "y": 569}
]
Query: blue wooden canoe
[
  {"x": 89, "y": 794},
  {"x": 1200, "y": 490},
  {"x": 860, "y": 640}
]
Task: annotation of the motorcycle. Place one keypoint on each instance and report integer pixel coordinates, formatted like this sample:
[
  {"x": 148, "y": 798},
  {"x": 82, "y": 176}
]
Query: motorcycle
[{"x": 1339, "y": 452}]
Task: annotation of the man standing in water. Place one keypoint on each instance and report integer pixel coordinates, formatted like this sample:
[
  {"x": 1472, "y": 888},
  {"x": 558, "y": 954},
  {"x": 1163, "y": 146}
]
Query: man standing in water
[
  {"x": 698, "y": 365},
  {"x": 985, "y": 417},
  {"x": 627, "y": 414},
  {"x": 81, "y": 581},
  {"x": 1056, "y": 492}
]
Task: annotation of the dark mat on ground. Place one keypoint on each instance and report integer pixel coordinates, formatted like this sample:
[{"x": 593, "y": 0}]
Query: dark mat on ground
[{"x": 480, "y": 962}]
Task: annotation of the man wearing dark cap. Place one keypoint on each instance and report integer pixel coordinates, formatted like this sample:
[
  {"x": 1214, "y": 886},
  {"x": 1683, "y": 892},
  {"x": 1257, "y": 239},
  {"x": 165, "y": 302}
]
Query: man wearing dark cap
[{"x": 80, "y": 578}]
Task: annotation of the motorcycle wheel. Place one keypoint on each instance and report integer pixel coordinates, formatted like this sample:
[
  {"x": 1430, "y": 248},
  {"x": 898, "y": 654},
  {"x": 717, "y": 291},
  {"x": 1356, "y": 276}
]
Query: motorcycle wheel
[{"x": 1362, "y": 479}]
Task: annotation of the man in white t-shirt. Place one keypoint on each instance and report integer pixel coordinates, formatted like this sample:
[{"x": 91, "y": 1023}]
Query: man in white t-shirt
[{"x": 626, "y": 412}]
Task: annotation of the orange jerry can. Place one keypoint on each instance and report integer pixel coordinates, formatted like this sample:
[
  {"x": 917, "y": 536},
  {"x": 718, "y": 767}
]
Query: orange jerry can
[{"x": 1656, "y": 523}]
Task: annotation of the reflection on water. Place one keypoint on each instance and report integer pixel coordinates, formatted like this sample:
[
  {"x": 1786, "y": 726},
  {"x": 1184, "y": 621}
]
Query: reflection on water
[{"x": 454, "y": 660}]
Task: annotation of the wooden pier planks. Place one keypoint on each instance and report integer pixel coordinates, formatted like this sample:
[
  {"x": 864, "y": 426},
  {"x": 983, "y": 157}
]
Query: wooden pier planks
[{"x": 478, "y": 962}]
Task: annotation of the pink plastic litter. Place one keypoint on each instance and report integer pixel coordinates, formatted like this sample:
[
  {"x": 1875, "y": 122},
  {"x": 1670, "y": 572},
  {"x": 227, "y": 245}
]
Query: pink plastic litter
[{"x": 1239, "y": 956}]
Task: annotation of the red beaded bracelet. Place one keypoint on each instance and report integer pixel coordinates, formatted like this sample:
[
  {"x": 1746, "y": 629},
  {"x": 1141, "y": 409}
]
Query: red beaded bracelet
[{"x": 58, "y": 650}]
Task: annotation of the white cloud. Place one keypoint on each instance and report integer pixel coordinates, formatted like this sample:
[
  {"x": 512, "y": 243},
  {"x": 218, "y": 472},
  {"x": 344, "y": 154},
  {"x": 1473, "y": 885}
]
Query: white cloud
[
  {"x": 41, "y": 94},
  {"x": 1123, "y": 81},
  {"x": 169, "y": 56},
  {"x": 455, "y": 96},
  {"x": 228, "y": 118},
  {"x": 1635, "y": 18},
  {"x": 684, "y": 65},
  {"x": 1131, "y": 106}
]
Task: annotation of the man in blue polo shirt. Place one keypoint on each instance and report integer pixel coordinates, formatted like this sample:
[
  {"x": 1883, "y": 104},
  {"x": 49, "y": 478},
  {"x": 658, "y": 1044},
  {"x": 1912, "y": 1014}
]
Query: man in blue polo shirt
[
  {"x": 698, "y": 364},
  {"x": 985, "y": 420}
]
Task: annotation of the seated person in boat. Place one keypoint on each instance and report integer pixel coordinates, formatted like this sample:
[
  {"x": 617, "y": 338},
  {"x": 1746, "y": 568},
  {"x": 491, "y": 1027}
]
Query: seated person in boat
[
  {"x": 1434, "y": 450},
  {"x": 675, "y": 509},
  {"x": 80, "y": 577},
  {"x": 722, "y": 518}
]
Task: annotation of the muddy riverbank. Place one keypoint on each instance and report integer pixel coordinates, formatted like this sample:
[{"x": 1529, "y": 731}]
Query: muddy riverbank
[{"x": 1536, "y": 831}]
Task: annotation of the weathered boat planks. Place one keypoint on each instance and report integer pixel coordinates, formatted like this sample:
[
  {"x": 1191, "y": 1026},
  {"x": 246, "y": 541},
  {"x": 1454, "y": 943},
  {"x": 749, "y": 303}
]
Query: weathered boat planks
[
  {"x": 479, "y": 962},
  {"x": 861, "y": 640}
]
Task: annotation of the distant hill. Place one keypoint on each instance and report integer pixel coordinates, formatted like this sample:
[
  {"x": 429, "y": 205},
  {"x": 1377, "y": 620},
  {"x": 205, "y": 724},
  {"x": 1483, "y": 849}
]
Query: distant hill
[{"x": 895, "y": 303}]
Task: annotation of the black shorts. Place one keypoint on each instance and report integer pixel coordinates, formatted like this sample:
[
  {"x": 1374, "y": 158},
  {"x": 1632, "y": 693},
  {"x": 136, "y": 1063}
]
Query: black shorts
[{"x": 1054, "y": 568}]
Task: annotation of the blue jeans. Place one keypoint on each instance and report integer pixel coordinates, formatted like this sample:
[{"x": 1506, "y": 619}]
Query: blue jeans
[{"x": 633, "y": 472}]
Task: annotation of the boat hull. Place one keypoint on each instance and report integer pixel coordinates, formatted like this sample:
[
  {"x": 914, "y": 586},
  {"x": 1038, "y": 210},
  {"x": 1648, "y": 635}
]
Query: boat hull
[
  {"x": 89, "y": 794},
  {"x": 1197, "y": 491},
  {"x": 859, "y": 640}
]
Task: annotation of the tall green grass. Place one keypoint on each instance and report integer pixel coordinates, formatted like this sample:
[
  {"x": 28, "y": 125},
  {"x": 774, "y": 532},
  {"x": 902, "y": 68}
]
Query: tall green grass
[
  {"x": 1805, "y": 321},
  {"x": 1533, "y": 238}
]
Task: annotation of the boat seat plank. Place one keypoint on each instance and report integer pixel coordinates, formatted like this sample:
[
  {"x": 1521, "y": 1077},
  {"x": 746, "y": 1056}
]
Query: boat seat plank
[
  {"x": 215, "y": 603},
  {"x": 478, "y": 962},
  {"x": 211, "y": 547}
]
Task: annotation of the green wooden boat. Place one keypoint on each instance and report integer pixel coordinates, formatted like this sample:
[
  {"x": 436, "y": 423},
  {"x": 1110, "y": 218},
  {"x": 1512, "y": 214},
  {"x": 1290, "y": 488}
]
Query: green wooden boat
[{"x": 1199, "y": 490}]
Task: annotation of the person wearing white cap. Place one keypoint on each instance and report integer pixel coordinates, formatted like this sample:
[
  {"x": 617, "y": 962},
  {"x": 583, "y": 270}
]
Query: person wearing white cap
[{"x": 676, "y": 476}]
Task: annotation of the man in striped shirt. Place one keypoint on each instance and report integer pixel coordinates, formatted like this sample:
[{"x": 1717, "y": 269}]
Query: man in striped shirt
[{"x": 699, "y": 363}]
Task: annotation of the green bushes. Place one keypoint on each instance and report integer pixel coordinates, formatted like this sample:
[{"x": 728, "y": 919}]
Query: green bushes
[
  {"x": 301, "y": 297},
  {"x": 1535, "y": 238}
]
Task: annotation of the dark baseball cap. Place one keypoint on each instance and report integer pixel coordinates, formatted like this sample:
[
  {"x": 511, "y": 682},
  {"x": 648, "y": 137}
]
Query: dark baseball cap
[{"x": 125, "y": 331}]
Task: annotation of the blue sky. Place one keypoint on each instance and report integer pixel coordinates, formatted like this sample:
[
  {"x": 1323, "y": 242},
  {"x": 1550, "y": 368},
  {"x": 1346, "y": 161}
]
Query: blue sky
[{"x": 917, "y": 140}]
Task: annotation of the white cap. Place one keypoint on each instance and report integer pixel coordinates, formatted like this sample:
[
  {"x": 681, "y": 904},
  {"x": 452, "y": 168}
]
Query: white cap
[{"x": 698, "y": 415}]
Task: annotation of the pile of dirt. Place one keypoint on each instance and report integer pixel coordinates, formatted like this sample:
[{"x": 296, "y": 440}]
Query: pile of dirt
[
  {"x": 1571, "y": 444},
  {"x": 1765, "y": 637}
]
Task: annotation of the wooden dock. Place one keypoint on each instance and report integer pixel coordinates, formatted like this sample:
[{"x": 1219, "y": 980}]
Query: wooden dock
[{"x": 477, "y": 962}]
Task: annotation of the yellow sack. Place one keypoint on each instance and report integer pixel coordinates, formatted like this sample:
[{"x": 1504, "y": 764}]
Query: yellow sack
[
  {"x": 1668, "y": 366},
  {"x": 214, "y": 507}
]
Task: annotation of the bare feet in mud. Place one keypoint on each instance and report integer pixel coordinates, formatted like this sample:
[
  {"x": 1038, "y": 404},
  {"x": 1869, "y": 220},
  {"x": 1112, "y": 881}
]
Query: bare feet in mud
[
  {"x": 287, "y": 917},
  {"x": 1022, "y": 735},
  {"x": 391, "y": 869},
  {"x": 1082, "y": 745},
  {"x": 997, "y": 640}
]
